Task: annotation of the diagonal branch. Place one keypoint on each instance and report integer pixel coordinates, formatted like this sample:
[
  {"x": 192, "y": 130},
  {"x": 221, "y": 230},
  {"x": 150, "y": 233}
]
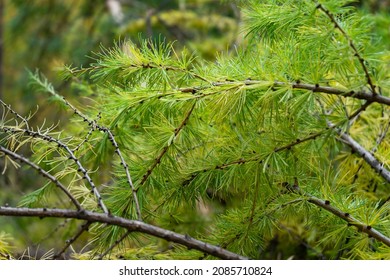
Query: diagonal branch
[
  {"x": 351, "y": 44},
  {"x": 325, "y": 204},
  {"x": 369, "y": 158},
  {"x": 72, "y": 156},
  {"x": 165, "y": 149},
  {"x": 116, "y": 243},
  {"x": 379, "y": 140},
  {"x": 258, "y": 158},
  {"x": 94, "y": 125},
  {"x": 131, "y": 225},
  {"x": 44, "y": 173},
  {"x": 42, "y": 82},
  {"x": 69, "y": 242}
]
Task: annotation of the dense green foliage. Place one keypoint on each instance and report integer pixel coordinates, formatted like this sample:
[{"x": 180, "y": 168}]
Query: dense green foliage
[{"x": 254, "y": 152}]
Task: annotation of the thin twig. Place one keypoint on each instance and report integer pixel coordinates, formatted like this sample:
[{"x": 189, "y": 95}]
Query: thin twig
[
  {"x": 142, "y": 66},
  {"x": 326, "y": 204},
  {"x": 356, "y": 114},
  {"x": 48, "y": 138},
  {"x": 258, "y": 158},
  {"x": 55, "y": 230},
  {"x": 116, "y": 243},
  {"x": 165, "y": 149},
  {"x": 86, "y": 138},
  {"x": 94, "y": 125},
  {"x": 15, "y": 113},
  {"x": 70, "y": 241},
  {"x": 369, "y": 158},
  {"x": 352, "y": 45},
  {"x": 44, "y": 173}
]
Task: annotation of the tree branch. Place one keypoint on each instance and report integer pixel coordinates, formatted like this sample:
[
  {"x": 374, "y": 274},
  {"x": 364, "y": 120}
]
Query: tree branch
[
  {"x": 84, "y": 171},
  {"x": 131, "y": 225},
  {"x": 94, "y": 125},
  {"x": 165, "y": 149},
  {"x": 325, "y": 204},
  {"x": 69, "y": 242},
  {"x": 362, "y": 95},
  {"x": 366, "y": 155},
  {"x": 116, "y": 243},
  {"x": 351, "y": 44},
  {"x": 43, "y": 173}
]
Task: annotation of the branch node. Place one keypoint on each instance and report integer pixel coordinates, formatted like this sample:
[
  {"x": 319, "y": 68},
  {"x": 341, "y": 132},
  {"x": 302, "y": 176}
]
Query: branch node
[{"x": 327, "y": 202}]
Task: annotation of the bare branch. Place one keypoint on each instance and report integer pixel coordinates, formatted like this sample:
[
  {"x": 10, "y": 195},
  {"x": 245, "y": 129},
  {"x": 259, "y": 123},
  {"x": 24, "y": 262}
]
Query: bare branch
[
  {"x": 43, "y": 173},
  {"x": 86, "y": 138},
  {"x": 94, "y": 125},
  {"x": 48, "y": 138},
  {"x": 325, "y": 204},
  {"x": 369, "y": 158},
  {"x": 131, "y": 225},
  {"x": 69, "y": 242}
]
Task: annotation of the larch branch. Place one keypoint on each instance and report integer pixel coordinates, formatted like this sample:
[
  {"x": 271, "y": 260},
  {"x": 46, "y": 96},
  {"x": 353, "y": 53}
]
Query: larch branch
[{"x": 131, "y": 225}]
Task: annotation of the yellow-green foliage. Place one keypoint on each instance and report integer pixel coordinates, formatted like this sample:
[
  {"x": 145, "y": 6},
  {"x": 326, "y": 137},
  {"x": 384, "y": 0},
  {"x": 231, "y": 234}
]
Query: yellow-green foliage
[{"x": 253, "y": 152}]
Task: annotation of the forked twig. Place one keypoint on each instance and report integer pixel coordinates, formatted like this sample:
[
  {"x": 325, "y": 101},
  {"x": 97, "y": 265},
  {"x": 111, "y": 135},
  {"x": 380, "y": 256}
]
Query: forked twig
[{"x": 95, "y": 126}]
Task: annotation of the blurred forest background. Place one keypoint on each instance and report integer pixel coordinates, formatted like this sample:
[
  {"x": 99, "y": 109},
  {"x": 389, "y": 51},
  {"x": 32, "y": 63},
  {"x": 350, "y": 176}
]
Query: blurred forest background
[{"x": 47, "y": 34}]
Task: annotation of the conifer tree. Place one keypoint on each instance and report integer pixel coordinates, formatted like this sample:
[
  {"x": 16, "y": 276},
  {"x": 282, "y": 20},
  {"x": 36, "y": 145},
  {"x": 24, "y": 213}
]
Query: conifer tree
[{"x": 280, "y": 150}]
